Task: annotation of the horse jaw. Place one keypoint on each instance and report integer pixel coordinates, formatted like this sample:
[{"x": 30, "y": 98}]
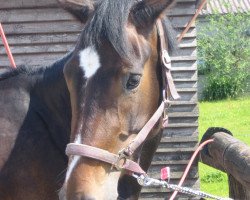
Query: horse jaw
[{"x": 108, "y": 190}]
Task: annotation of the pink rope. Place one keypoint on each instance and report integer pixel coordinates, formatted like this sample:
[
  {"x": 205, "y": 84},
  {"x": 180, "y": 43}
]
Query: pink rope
[
  {"x": 189, "y": 166},
  {"x": 192, "y": 20},
  {"x": 7, "y": 48}
]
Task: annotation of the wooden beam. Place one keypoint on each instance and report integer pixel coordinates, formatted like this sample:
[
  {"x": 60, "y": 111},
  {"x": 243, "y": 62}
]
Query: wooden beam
[{"x": 232, "y": 156}]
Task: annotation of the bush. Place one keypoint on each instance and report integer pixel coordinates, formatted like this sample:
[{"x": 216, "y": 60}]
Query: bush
[
  {"x": 224, "y": 54},
  {"x": 214, "y": 177}
]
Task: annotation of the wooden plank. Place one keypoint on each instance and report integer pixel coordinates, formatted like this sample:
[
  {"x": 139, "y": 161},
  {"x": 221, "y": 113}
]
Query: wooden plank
[
  {"x": 184, "y": 69},
  {"x": 190, "y": 34},
  {"x": 178, "y": 169},
  {"x": 35, "y": 15},
  {"x": 189, "y": 41},
  {"x": 188, "y": 103},
  {"x": 42, "y": 39},
  {"x": 188, "y": 45},
  {"x": 32, "y": 59},
  {"x": 183, "y": 125},
  {"x": 181, "y": 21},
  {"x": 192, "y": 75},
  {"x": 183, "y": 63},
  {"x": 172, "y": 156},
  {"x": 42, "y": 27},
  {"x": 169, "y": 162},
  {"x": 27, "y": 4},
  {"x": 179, "y": 150},
  {"x": 185, "y": 80},
  {"x": 183, "y": 108},
  {"x": 182, "y": 120},
  {"x": 188, "y": 96},
  {"x": 187, "y": 51},
  {"x": 180, "y": 131},
  {"x": 183, "y": 114},
  {"x": 177, "y": 145},
  {"x": 185, "y": 83},
  {"x": 182, "y": 83},
  {"x": 183, "y": 58},
  {"x": 179, "y": 139},
  {"x": 182, "y": 9},
  {"x": 44, "y": 48},
  {"x": 192, "y": 90}
]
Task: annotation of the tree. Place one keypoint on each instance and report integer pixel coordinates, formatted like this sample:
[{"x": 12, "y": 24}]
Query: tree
[{"x": 224, "y": 54}]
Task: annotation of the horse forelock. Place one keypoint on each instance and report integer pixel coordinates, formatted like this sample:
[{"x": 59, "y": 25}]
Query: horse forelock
[{"x": 109, "y": 23}]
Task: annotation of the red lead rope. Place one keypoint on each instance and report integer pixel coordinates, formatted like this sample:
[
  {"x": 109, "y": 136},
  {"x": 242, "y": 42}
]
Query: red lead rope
[
  {"x": 189, "y": 165},
  {"x": 192, "y": 20},
  {"x": 6, "y": 45}
]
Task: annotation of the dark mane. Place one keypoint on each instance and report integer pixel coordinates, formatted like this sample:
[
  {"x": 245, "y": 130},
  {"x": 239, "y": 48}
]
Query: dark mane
[
  {"x": 109, "y": 22},
  {"x": 10, "y": 72}
]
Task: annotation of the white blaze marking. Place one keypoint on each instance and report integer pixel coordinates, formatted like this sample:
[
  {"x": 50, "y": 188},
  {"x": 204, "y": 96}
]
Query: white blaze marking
[
  {"x": 89, "y": 61},
  {"x": 75, "y": 159}
]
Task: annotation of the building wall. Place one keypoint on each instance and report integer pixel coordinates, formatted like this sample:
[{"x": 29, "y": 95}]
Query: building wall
[
  {"x": 39, "y": 33},
  {"x": 180, "y": 139}
]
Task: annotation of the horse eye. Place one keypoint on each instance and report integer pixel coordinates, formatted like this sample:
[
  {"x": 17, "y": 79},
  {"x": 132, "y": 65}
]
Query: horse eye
[{"x": 133, "y": 81}]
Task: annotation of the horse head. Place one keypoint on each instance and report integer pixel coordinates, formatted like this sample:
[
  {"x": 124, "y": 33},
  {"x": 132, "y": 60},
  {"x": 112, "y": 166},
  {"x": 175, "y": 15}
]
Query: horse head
[{"x": 114, "y": 81}]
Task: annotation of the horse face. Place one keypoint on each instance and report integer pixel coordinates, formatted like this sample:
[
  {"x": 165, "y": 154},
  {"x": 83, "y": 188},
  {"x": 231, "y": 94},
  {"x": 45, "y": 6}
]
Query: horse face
[{"x": 114, "y": 89}]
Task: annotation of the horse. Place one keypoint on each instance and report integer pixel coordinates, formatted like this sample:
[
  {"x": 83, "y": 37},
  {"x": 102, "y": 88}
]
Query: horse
[{"x": 100, "y": 95}]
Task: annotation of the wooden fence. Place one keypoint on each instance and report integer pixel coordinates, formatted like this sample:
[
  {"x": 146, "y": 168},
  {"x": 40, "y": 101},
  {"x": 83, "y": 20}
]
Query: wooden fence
[{"x": 229, "y": 155}]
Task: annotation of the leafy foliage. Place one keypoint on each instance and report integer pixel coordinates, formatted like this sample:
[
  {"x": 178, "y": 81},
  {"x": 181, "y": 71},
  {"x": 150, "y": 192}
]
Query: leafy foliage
[
  {"x": 214, "y": 177},
  {"x": 224, "y": 53}
]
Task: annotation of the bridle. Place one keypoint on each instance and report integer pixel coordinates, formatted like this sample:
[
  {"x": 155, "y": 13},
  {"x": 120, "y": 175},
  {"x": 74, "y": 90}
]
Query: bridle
[{"x": 121, "y": 160}]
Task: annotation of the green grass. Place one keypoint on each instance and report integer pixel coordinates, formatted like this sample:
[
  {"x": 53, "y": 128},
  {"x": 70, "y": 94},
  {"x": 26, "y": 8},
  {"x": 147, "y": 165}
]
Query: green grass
[{"x": 233, "y": 115}]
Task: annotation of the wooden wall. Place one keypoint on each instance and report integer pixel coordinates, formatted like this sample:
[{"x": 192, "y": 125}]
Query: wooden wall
[
  {"x": 39, "y": 33},
  {"x": 180, "y": 139}
]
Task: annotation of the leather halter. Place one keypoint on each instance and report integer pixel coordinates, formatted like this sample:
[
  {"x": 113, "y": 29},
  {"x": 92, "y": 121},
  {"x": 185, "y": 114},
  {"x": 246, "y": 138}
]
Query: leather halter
[{"x": 121, "y": 160}]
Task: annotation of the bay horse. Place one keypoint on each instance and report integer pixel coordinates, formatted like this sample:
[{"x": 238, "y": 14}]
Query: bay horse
[{"x": 101, "y": 94}]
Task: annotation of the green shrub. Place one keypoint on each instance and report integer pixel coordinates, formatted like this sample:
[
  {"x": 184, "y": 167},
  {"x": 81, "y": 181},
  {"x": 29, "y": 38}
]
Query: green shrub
[
  {"x": 224, "y": 55},
  {"x": 214, "y": 177}
]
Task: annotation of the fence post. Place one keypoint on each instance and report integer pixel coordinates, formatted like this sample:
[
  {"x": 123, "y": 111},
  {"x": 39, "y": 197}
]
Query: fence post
[{"x": 230, "y": 155}]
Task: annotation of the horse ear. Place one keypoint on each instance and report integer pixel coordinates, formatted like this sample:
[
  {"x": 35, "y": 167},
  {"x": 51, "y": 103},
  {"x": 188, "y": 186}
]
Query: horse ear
[
  {"x": 81, "y": 9},
  {"x": 145, "y": 12}
]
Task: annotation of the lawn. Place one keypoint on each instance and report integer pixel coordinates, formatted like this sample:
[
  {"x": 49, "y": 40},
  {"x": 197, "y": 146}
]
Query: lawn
[{"x": 233, "y": 115}]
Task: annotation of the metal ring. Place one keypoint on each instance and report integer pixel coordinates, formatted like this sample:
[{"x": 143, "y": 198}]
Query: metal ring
[{"x": 166, "y": 59}]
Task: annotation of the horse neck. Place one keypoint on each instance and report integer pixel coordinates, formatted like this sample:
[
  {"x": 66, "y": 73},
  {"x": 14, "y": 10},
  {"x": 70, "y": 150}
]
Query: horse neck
[{"x": 52, "y": 102}]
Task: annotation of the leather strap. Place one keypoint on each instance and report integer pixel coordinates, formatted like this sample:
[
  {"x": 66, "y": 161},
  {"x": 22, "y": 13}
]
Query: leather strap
[
  {"x": 168, "y": 83},
  {"x": 142, "y": 135},
  {"x": 166, "y": 61},
  {"x": 99, "y": 154}
]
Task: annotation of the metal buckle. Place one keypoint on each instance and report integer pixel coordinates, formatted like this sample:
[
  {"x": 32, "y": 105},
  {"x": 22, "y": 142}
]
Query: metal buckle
[
  {"x": 166, "y": 59},
  {"x": 121, "y": 160}
]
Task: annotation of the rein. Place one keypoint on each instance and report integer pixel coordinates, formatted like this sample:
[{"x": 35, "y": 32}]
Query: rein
[{"x": 121, "y": 160}]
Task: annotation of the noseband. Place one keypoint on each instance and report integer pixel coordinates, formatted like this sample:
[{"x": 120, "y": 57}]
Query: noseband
[{"x": 121, "y": 160}]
